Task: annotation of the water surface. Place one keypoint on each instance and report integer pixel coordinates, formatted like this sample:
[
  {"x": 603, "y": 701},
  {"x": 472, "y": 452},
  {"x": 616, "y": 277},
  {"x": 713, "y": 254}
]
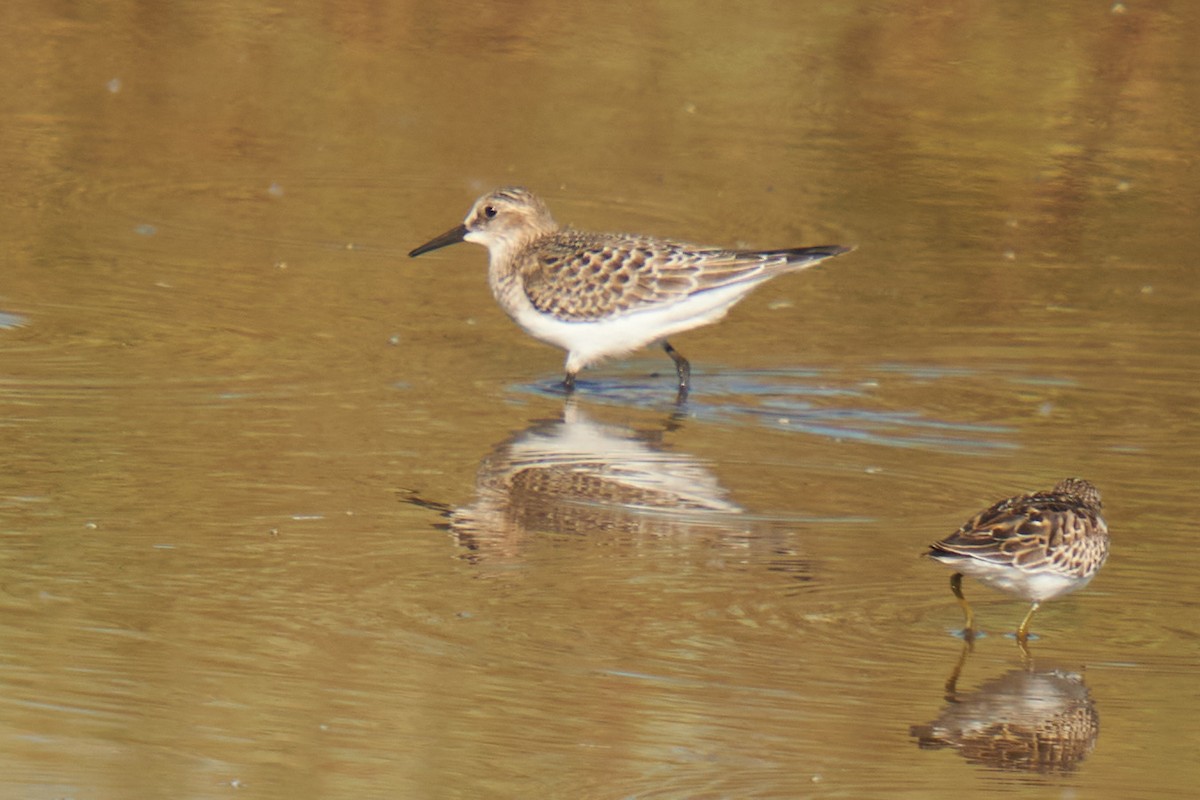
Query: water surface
[{"x": 286, "y": 514}]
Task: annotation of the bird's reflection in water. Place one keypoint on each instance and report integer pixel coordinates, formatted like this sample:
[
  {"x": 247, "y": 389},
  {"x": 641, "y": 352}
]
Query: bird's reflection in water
[
  {"x": 575, "y": 475},
  {"x": 1026, "y": 720}
]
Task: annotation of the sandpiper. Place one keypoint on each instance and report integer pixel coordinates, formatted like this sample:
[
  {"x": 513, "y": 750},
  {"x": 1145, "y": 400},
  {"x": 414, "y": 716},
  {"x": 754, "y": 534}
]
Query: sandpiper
[
  {"x": 598, "y": 295},
  {"x": 1036, "y": 546}
]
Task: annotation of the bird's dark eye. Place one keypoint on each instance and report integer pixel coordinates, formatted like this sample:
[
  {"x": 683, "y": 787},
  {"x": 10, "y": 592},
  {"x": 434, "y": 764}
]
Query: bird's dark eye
[{"x": 489, "y": 211}]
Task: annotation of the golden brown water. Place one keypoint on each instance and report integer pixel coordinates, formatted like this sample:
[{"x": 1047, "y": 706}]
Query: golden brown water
[{"x": 286, "y": 514}]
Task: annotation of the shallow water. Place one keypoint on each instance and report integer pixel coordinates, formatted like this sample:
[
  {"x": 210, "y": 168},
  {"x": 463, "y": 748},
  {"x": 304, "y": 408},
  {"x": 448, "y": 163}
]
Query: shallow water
[{"x": 286, "y": 514}]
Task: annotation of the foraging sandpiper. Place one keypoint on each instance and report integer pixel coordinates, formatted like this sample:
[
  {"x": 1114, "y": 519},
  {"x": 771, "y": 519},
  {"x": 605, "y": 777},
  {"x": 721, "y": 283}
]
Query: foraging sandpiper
[
  {"x": 1036, "y": 546},
  {"x": 598, "y": 295}
]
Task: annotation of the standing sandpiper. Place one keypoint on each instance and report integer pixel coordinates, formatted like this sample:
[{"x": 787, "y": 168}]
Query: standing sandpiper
[
  {"x": 1036, "y": 546},
  {"x": 598, "y": 295}
]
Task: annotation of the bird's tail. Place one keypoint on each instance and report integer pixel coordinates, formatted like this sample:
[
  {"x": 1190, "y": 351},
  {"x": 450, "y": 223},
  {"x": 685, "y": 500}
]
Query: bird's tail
[{"x": 796, "y": 256}]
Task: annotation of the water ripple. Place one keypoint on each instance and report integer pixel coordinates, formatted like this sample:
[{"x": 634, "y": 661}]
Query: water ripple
[{"x": 816, "y": 402}]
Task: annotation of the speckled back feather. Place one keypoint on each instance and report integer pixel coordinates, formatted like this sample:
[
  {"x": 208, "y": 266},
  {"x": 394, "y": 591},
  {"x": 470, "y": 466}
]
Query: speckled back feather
[
  {"x": 1059, "y": 531},
  {"x": 580, "y": 276}
]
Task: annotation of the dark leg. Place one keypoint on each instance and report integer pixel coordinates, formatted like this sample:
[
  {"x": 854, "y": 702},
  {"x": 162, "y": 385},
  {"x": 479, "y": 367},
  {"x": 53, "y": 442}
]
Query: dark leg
[
  {"x": 682, "y": 368},
  {"x": 569, "y": 383},
  {"x": 956, "y": 587}
]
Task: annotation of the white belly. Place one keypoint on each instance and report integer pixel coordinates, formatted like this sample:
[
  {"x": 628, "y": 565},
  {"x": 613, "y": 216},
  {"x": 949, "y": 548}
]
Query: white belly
[{"x": 589, "y": 342}]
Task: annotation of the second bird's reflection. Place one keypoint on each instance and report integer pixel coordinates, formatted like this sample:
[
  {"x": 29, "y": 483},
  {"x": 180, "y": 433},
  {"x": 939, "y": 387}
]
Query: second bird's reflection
[{"x": 1025, "y": 720}]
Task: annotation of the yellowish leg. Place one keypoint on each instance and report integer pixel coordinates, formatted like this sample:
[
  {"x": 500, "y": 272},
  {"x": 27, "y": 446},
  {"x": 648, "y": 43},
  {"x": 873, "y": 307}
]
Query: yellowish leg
[
  {"x": 952, "y": 681},
  {"x": 1023, "y": 630},
  {"x": 1026, "y": 656},
  {"x": 956, "y": 587}
]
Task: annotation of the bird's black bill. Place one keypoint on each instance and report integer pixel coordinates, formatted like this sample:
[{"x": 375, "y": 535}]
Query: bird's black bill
[{"x": 452, "y": 236}]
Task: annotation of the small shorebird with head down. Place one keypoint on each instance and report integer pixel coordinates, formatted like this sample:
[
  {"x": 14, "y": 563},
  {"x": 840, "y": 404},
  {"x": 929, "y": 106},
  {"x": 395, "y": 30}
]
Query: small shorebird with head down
[
  {"x": 1035, "y": 546},
  {"x": 598, "y": 295}
]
